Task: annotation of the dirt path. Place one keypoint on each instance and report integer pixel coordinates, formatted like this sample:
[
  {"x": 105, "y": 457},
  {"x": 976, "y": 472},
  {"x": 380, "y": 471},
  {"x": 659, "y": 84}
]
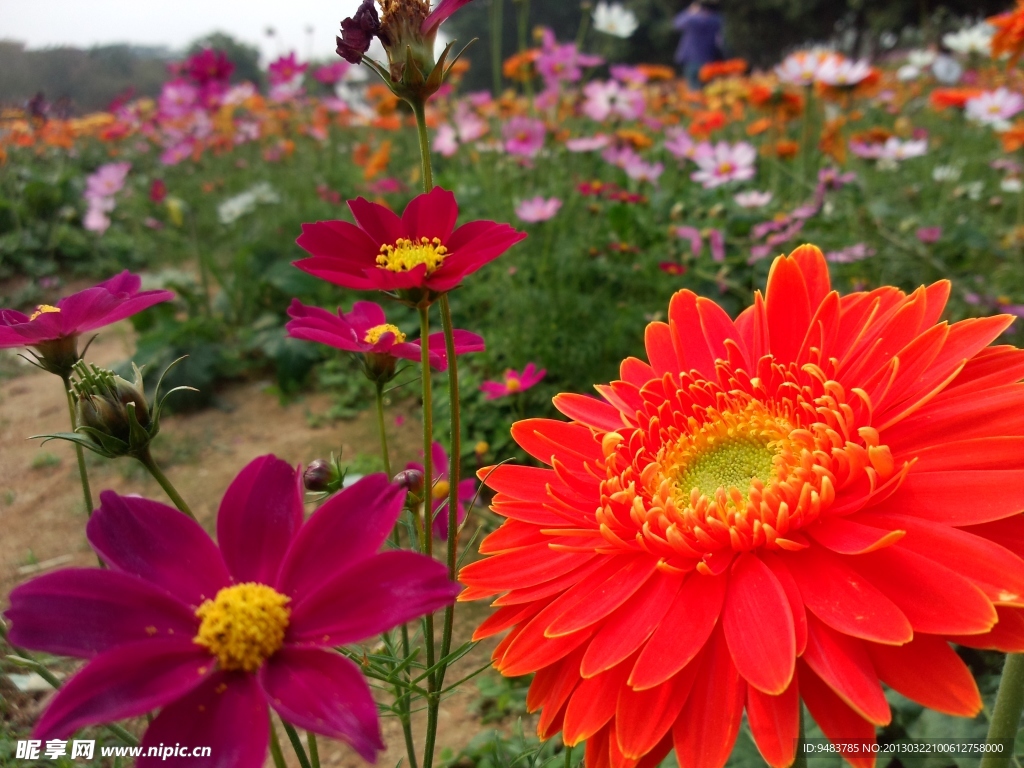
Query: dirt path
[{"x": 42, "y": 514}]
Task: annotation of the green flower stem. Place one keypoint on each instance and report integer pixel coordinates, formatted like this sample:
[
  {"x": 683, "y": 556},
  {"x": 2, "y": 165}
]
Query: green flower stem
[
  {"x": 314, "y": 750},
  {"x": 454, "y": 467},
  {"x": 149, "y": 463},
  {"x": 82, "y": 473},
  {"x": 424, "y": 525},
  {"x": 1006, "y": 714},
  {"x": 383, "y": 432},
  {"x": 497, "y": 17},
  {"x": 568, "y": 754},
  {"x": 419, "y": 109},
  {"x": 275, "y": 747},
  {"x": 293, "y": 737},
  {"x": 805, "y": 134}
]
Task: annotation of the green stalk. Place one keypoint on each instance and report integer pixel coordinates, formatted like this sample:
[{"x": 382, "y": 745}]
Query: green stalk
[
  {"x": 1006, "y": 714},
  {"x": 314, "y": 750},
  {"x": 383, "y": 432},
  {"x": 146, "y": 459},
  {"x": 82, "y": 473},
  {"x": 805, "y": 135},
  {"x": 275, "y": 747},
  {"x": 425, "y": 525},
  {"x": 293, "y": 737},
  {"x": 419, "y": 109},
  {"x": 454, "y": 467},
  {"x": 497, "y": 17}
]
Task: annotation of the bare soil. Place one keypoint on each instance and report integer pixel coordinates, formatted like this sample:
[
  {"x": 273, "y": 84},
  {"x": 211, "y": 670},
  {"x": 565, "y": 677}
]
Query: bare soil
[{"x": 42, "y": 514}]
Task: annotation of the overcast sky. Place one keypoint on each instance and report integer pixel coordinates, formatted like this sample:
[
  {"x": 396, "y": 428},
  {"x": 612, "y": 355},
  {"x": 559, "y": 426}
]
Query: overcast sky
[{"x": 306, "y": 26}]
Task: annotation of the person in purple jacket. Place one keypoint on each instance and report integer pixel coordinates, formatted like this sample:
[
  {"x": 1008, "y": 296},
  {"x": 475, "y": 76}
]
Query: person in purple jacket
[{"x": 701, "y": 25}]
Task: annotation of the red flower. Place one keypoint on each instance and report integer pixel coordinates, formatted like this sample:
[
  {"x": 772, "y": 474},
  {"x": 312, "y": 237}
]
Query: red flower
[
  {"x": 800, "y": 504},
  {"x": 214, "y": 635},
  {"x": 421, "y": 250}
]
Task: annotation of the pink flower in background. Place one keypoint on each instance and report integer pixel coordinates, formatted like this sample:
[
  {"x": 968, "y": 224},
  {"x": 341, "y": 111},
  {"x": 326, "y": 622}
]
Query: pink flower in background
[
  {"x": 158, "y": 191},
  {"x": 588, "y": 143},
  {"x": 896, "y": 150},
  {"x": 850, "y": 254},
  {"x": 177, "y": 99},
  {"x": 841, "y": 72},
  {"x": 994, "y": 107},
  {"x": 692, "y": 234},
  {"x": 726, "y": 163},
  {"x": 209, "y": 66},
  {"x": 107, "y": 180},
  {"x": 716, "y": 242},
  {"x": 513, "y": 382},
  {"x": 611, "y": 99},
  {"x": 215, "y": 635},
  {"x": 628, "y": 74},
  {"x": 446, "y": 141},
  {"x": 440, "y": 486},
  {"x": 440, "y": 14},
  {"x": 524, "y": 136},
  {"x": 365, "y": 330},
  {"x": 801, "y": 68},
  {"x": 682, "y": 146},
  {"x": 285, "y": 69},
  {"x": 640, "y": 170},
  {"x": 752, "y": 199},
  {"x": 538, "y": 209},
  {"x": 332, "y": 73},
  {"x": 562, "y": 63},
  {"x": 177, "y": 152},
  {"x": 469, "y": 125},
  {"x": 622, "y": 156},
  {"x": 929, "y": 235}
]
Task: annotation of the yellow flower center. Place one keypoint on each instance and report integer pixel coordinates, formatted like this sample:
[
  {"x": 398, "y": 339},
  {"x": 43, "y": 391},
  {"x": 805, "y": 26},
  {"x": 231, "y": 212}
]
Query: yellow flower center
[
  {"x": 441, "y": 488},
  {"x": 43, "y": 309},
  {"x": 373, "y": 335},
  {"x": 406, "y": 255},
  {"x": 725, "y": 168},
  {"x": 513, "y": 384},
  {"x": 243, "y": 625}
]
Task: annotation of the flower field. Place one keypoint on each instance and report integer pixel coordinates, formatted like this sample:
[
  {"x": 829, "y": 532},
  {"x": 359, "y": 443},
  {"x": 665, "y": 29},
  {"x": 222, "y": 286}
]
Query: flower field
[{"x": 786, "y": 529}]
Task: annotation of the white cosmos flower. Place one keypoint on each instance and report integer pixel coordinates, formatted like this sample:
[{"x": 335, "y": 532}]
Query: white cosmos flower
[
  {"x": 976, "y": 39},
  {"x": 615, "y": 19}
]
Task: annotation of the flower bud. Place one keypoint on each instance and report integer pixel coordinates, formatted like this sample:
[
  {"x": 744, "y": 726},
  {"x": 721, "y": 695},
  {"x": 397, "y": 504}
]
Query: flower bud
[
  {"x": 322, "y": 476},
  {"x": 411, "y": 480}
]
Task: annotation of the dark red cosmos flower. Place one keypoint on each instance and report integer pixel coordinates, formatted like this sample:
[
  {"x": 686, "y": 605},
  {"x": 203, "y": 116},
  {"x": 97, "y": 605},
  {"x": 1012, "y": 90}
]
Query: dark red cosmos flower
[
  {"x": 796, "y": 505},
  {"x": 213, "y": 635},
  {"x": 422, "y": 249},
  {"x": 54, "y": 330}
]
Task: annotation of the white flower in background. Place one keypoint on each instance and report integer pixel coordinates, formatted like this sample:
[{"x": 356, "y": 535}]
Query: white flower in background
[
  {"x": 801, "y": 68},
  {"x": 1011, "y": 184},
  {"x": 947, "y": 70},
  {"x": 752, "y": 199},
  {"x": 994, "y": 108},
  {"x": 972, "y": 189},
  {"x": 234, "y": 208},
  {"x": 942, "y": 173},
  {"x": 839, "y": 72},
  {"x": 615, "y": 19},
  {"x": 908, "y": 72},
  {"x": 921, "y": 58},
  {"x": 976, "y": 39},
  {"x": 895, "y": 150}
]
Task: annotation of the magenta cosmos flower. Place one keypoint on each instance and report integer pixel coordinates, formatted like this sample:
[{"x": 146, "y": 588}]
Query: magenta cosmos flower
[
  {"x": 441, "y": 486},
  {"x": 54, "y": 330},
  {"x": 212, "y": 635},
  {"x": 437, "y": 16},
  {"x": 524, "y": 136},
  {"x": 513, "y": 382},
  {"x": 366, "y": 330},
  {"x": 419, "y": 250}
]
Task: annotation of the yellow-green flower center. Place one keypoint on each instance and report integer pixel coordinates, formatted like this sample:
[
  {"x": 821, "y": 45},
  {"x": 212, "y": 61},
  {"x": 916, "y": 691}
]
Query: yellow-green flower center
[
  {"x": 43, "y": 309},
  {"x": 406, "y": 255},
  {"x": 373, "y": 335},
  {"x": 243, "y": 625},
  {"x": 729, "y": 462}
]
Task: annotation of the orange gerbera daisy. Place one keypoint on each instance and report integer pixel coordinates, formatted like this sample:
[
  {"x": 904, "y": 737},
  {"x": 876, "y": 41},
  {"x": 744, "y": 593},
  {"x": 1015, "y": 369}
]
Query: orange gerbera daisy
[
  {"x": 1009, "y": 34},
  {"x": 800, "y": 504}
]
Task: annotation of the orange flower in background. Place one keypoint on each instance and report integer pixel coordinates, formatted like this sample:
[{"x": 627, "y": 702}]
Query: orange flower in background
[
  {"x": 706, "y": 122},
  {"x": 1013, "y": 138},
  {"x": 1009, "y": 34},
  {"x": 759, "y": 126},
  {"x": 656, "y": 71},
  {"x": 943, "y": 98},
  {"x": 636, "y": 139},
  {"x": 800, "y": 504},
  {"x": 519, "y": 66},
  {"x": 378, "y": 162},
  {"x": 786, "y": 148},
  {"x": 832, "y": 142},
  {"x": 726, "y": 68}
]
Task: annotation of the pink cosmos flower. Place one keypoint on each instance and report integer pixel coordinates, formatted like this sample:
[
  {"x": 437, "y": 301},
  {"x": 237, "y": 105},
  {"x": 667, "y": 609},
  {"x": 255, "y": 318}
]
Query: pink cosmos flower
[
  {"x": 177, "y": 99},
  {"x": 801, "y": 68},
  {"x": 437, "y": 16},
  {"x": 716, "y": 242},
  {"x": 538, "y": 209},
  {"x": 562, "y": 63},
  {"x": 213, "y": 636},
  {"x": 441, "y": 486},
  {"x": 209, "y": 66},
  {"x": 611, "y": 99},
  {"x": 994, "y": 107},
  {"x": 692, "y": 235},
  {"x": 469, "y": 125},
  {"x": 103, "y": 304},
  {"x": 513, "y": 382},
  {"x": 897, "y": 150},
  {"x": 837, "y": 71},
  {"x": 366, "y": 330},
  {"x": 588, "y": 143},
  {"x": 639, "y": 169},
  {"x": 682, "y": 146},
  {"x": 929, "y": 235},
  {"x": 726, "y": 163},
  {"x": 284, "y": 69},
  {"x": 446, "y": 140},
  {"x": 332, "y": 73},
  {"x": 177, "y": 152},
  {"x": 630, "y": 75},
  {"x": 752, "y": 199},
  {"x": 419, "y": 250},
  {"x": 107, "y": 180},
  {"x": 524, "y": 136},
  {"x": 850, "y": 254}
]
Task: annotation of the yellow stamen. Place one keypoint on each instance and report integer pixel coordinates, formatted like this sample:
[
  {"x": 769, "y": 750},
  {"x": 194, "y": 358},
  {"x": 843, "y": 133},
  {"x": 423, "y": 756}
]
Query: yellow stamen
[
  {"x": 373, "y": 335},
  {"x": 406, "y": 255},
  {"x": 441, "y": 488},
  {"x": 513, "y": 384},
  {"x": 43, "y": 309},
  {"x": 243, "y": 625}
]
